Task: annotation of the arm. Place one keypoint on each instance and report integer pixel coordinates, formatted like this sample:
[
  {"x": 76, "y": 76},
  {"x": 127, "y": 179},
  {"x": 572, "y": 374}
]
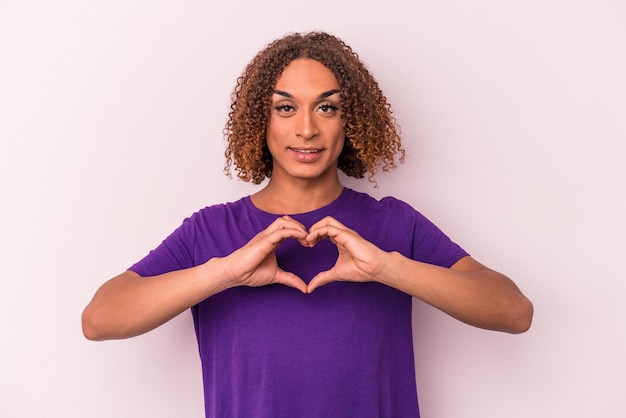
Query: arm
[
  {"x": 467, "y": 291},
  {"x": 129, "y": 305}
]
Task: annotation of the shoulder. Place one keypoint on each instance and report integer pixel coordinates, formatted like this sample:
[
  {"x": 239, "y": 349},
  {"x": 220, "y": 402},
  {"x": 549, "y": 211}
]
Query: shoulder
[
  {"x": 388, "y": 215},
  {"x": 220, "y": 211},
  {"x": 394, "y": 225},
  {"x": 212, "y": 217},
  {"x": 386, "y": 206},
  {"x": 238, "y": 220}
]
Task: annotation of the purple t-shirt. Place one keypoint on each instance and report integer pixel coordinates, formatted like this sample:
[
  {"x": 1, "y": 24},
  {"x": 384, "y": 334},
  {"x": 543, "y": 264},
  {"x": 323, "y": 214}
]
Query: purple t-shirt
[{"x": 346, "y": 350}]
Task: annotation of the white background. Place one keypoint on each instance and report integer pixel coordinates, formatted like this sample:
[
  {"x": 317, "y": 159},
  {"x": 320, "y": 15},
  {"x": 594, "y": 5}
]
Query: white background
[{"x": 514, "y": 120}]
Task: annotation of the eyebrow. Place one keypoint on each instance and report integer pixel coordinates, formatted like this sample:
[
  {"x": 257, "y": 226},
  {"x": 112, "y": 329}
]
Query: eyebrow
[{"x": 321, "y": 96}]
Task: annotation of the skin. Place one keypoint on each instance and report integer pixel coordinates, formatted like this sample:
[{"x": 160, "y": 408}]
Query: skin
[
  {"x": 305, "y": 116},
  {"x": 305, "y": 136}
]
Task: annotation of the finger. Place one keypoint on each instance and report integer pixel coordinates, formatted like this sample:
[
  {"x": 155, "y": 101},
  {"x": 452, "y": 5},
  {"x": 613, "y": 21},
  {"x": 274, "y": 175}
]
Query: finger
[
  {"x": 278, "y": 233},
  {"x": 291, "y": 280},
  {"x": 321, "y": 279},
  {"x": 325, "y": 231},
  {"x": 286, "y": 227},
  {"x": 325, "y": 222},
  {"x": 286, "y": 222},
  {"x": 328, "y": 227}
]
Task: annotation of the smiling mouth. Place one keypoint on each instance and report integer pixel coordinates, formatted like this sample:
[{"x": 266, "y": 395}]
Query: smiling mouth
[
  {"x": 307, "y": 155},
  {"x": 306, "y": 151}
]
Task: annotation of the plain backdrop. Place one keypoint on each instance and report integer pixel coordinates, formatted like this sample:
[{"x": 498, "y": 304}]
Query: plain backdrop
[{"x": 513, "y": 115}]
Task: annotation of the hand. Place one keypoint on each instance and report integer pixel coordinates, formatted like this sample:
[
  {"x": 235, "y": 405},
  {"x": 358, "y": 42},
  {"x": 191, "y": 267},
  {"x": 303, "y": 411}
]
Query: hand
[
  {"x": 359, "y": 260},
  {"x": 255, "y": 264}
]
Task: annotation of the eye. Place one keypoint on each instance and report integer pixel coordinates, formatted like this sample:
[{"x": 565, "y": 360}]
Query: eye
[
  {"x": 328, "y": 108},
  {"x": 284, "y": 108}
]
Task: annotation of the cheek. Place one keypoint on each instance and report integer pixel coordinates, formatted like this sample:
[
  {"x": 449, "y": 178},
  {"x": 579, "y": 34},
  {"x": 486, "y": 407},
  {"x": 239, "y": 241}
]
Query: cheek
[
  {"x": 277, "y": 128},
  {"x": 338, "y": 145},
  {"x": 272, "y": 135},
  {"x": 341, "y": 136}
]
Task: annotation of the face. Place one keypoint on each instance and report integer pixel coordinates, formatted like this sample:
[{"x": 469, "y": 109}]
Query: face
[{"x": 305, "y": 134}]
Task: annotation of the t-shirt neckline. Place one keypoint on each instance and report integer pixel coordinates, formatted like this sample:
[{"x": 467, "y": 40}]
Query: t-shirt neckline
[{"x": 342, "y": 196}]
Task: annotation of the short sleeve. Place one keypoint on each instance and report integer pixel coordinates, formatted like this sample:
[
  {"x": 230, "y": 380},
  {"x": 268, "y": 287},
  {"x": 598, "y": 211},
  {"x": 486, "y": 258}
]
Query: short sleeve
[
  {"x": 430, "y": 244},
  {"x": 174, "y": 253}
]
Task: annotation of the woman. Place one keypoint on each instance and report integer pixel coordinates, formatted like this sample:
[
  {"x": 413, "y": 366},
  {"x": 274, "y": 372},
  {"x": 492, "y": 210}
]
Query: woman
[{"x": 301, "y": 293}]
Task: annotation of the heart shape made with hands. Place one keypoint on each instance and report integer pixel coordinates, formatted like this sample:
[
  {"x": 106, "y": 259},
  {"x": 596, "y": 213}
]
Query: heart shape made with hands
[{"x": 358, "y": 259}]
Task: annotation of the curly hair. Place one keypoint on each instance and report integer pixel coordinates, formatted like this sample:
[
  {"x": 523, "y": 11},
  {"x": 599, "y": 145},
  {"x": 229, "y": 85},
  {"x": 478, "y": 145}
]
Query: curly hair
[{"x": 372, "y": 137}]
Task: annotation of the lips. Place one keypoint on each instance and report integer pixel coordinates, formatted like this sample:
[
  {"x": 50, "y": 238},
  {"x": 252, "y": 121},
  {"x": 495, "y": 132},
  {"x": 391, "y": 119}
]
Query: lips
[
  {"x": 306, "y": 151},
  {"x": 306, "y": 155}
]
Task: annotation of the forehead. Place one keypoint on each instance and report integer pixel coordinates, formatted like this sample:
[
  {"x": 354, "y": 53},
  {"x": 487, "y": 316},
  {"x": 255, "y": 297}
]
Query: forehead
[{"x": 304, "y": 73}]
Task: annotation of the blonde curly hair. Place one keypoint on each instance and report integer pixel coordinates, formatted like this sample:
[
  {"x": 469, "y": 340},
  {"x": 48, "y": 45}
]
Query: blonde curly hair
[{"x": 372, "y": 137}]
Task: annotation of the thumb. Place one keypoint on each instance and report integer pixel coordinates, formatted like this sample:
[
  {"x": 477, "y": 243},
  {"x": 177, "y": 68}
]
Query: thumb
[
  {"x": 320, "y": 280},
  {"x": 291, "y": 280}
]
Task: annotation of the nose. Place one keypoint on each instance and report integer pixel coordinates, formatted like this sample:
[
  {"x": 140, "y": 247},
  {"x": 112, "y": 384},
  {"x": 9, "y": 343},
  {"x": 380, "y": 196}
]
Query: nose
[{"x": 306, "y": 127}]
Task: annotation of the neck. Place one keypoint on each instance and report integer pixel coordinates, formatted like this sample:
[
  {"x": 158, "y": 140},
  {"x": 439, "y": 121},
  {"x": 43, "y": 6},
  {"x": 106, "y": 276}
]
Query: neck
[{"x": 296, "y": 196}]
